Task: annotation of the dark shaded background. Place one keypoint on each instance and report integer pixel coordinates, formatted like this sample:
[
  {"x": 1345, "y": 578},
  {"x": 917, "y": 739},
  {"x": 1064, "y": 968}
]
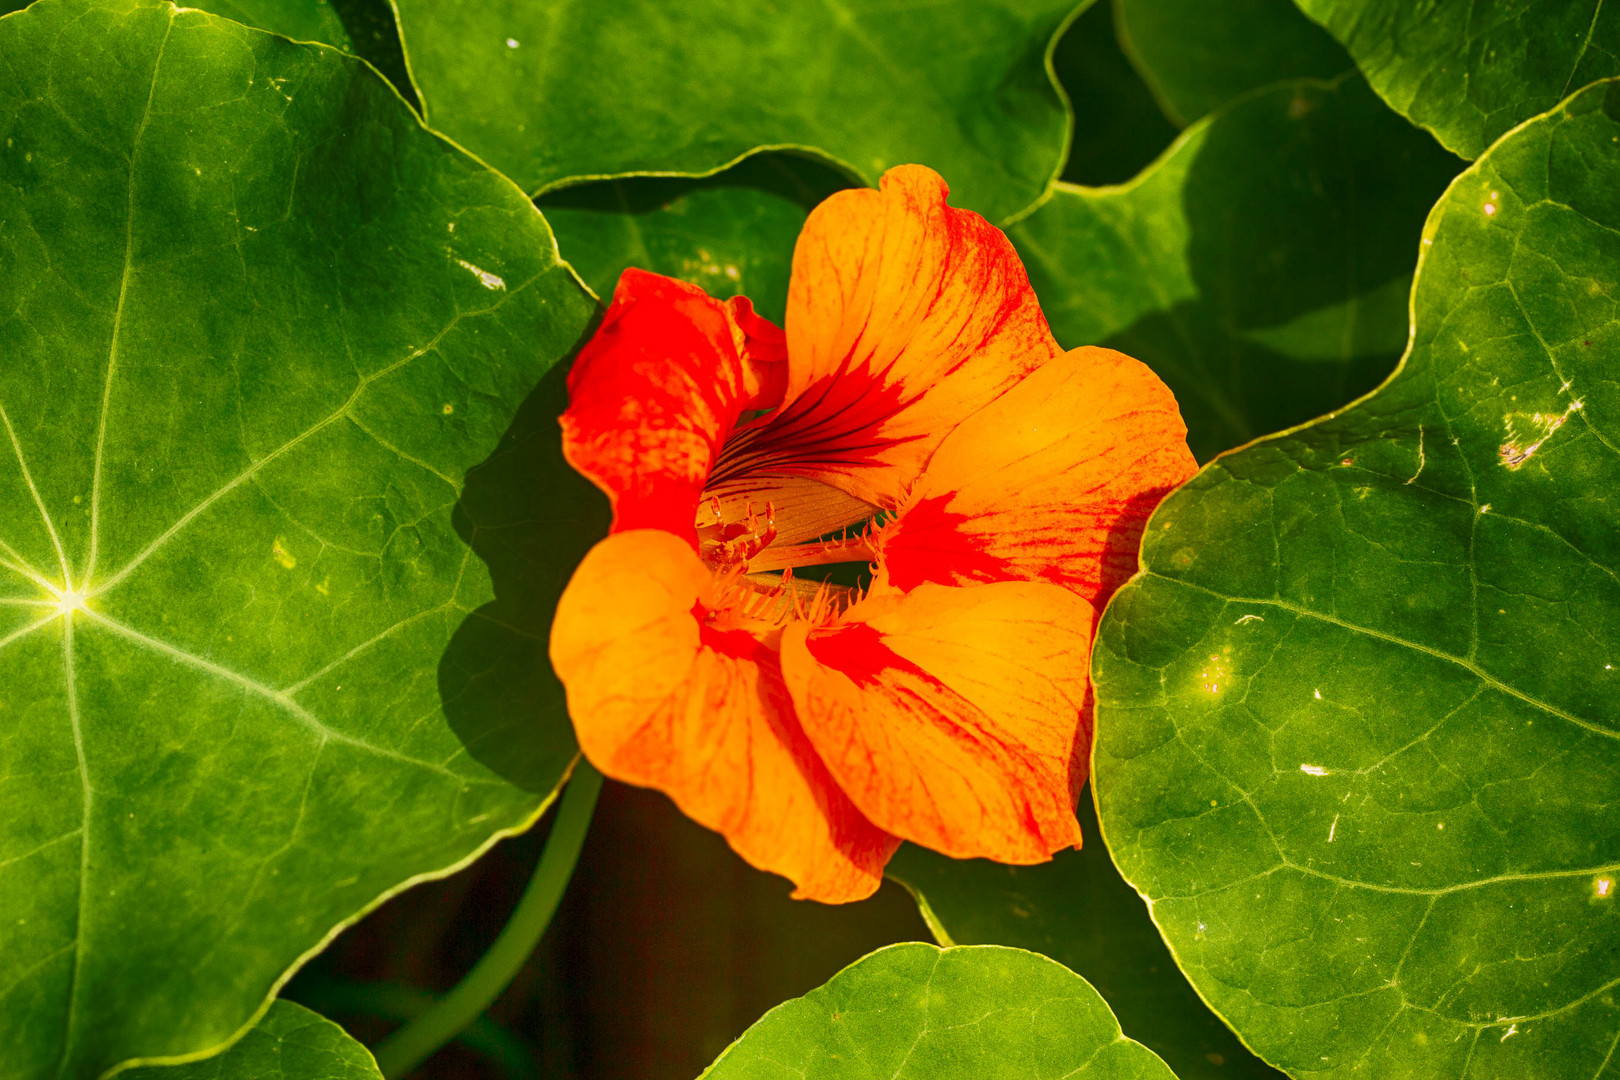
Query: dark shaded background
[{"x": 666, "y": 947}]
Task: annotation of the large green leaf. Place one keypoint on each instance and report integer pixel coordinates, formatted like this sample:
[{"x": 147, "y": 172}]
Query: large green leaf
[
  {"x": 277, "y": 544},
  {"x": 1252, "y": 266},
  {"x": 1358, "y": 718},
  {"x": 552, "y": 92},
  {"x": 732, "y": 233},
  {"x": 915, "y": 1011},
  {"x": 1469, "y": 71},
  {"x": 290, "y": 1043},
  {"x": 1081, "y": 913},
  {"x": 1198, "y": 55}
]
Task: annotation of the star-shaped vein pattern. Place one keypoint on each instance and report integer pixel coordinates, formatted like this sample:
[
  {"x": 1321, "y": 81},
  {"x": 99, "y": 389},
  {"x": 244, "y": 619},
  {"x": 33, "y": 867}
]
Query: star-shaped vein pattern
[
  {"x": 1359, "y": 717},
  {"x": 278, "y": 537}
]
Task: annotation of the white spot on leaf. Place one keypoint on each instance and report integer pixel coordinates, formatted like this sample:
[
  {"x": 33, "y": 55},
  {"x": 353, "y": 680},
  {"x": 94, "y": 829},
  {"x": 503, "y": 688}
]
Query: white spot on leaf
[
  {"x": 490, "y": 281},
  {"x": 1526, "y": 434}
]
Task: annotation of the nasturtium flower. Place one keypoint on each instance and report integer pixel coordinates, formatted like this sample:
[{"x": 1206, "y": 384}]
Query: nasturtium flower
[{"x": 916, "y": 414}]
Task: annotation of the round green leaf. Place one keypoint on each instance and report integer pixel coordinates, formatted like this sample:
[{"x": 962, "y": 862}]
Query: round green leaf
[
  {"x": 1080, "y": 912},
  {"x": 1251, "y": 266},
  {"x": 290, "y": 1043},
  {"x": 282, "y": 516},
  {"x": 913, "y": 1011},
  {"x": 1198, "y": 55},
  {"x": 1469, "y": 71},
  {"x": 1358, "y": 719},
  {"x": 552, "y": 92}
]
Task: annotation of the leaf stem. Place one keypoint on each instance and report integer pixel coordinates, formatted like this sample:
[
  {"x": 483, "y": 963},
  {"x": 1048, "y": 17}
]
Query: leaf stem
[{"x": 414, "y": 1043}]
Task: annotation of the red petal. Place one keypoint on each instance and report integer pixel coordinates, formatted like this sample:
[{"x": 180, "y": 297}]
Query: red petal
[{"x": 654, "y": 394}]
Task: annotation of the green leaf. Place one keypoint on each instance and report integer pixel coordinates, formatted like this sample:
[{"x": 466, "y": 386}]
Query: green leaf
[
  {"x": 373, "y": 31},
  {"x": 1077, "y": 910},
  {"x": 1358, "y": 719},
  {"x": 1118, "y": 126},
  {"x": 366, "y": 28},
  {"x": 1197, "y": 56},
  {"x": 290, "y": 1043},
  {"x": 1251, "y": 266},
  {"x": 278, "y": 545},
  {"x": 551, "y": 92},
  {"x": 1469, "y": 71},
  {"x": 731, "y": 233},
  {"x": 915, "y": 1011},
  {"x": 301, "y": 20}
]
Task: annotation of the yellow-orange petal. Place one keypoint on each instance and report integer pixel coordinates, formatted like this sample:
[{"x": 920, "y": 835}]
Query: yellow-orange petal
[
  {"x": 662, "y": 700},
  {"x": 904, "y": 317},
  {"x": 1053, "y": 481},
  {"x": 953, "y": 717}
]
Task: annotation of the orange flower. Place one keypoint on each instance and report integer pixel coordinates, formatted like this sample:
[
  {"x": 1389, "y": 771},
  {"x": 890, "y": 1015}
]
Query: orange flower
[{"x": 814, "y": 726}]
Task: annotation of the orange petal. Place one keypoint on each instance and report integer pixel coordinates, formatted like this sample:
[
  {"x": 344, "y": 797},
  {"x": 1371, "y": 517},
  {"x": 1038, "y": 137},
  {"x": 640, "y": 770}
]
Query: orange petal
[
  {"x": 953, "y": 716},
  {"x": 1053, "y": 481},
  {"x": 904, "y": 316},
  {"x": 664, "y": 700},
  {"x": 655, "y": 392}
]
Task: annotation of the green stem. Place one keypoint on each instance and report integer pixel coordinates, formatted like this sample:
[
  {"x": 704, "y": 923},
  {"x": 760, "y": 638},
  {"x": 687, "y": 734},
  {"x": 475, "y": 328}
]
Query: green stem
[{"x": 414, "y": 1043}]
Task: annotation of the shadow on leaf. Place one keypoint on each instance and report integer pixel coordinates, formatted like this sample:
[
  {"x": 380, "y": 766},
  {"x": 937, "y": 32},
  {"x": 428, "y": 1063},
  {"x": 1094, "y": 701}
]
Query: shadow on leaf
[{"x": 530, "y": 518}]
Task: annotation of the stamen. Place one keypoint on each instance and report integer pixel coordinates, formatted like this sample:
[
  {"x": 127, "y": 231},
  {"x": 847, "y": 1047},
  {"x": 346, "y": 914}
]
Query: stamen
[
  {"x": 856, "y": 548},
  {"x": 740, "y": 542}
]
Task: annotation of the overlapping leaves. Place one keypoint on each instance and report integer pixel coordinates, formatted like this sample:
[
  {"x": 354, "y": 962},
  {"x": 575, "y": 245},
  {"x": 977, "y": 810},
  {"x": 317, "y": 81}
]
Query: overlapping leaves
[
  {"x": 1469, "y": 71},
  {"x": 1357, "y": 727},
  {"x": 1081, "y": 913},
  {"x": 277, "y": 566},
  {"x": 290, "y": 1043},
  {"x": 274, "y": 563},
  {"x": 552, "y": 92},
  {"x": 1240, "y": 267},
  {"x": 1198, "y": 56}
]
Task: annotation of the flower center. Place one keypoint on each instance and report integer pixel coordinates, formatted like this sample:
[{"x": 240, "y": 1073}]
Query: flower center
[
  {"x": 727, "y": 547},
  {"x": 745, "y": 545}
]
